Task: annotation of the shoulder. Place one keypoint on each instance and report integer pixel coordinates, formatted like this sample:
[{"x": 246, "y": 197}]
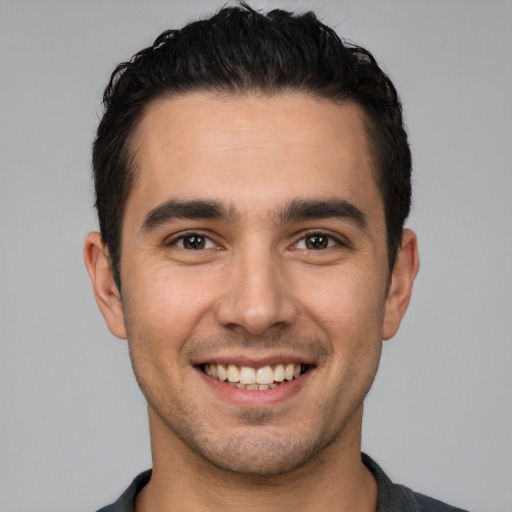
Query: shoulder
[
  {"x": 126, "y": 502},
  {"x": 427, "y": 504},
  {"x": 393, "y": 497}
]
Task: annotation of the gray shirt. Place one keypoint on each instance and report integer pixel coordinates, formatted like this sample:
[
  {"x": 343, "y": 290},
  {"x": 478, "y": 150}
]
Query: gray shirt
[{"x": 391, "y": 497}]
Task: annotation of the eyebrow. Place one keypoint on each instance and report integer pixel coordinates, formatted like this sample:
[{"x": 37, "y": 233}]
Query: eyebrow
[
  {"x": 185, "y": 209},
  {"x": 295, "y": 210},
  {"x": 331, "y": 208}
]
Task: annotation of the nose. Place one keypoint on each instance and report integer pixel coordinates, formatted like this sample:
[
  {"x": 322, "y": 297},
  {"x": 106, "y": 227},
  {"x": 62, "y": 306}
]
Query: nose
[{"x": 257, "y": 295}]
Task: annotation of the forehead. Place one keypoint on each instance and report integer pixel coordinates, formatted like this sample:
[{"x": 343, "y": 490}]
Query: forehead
[{"x": 251, "y": 151}]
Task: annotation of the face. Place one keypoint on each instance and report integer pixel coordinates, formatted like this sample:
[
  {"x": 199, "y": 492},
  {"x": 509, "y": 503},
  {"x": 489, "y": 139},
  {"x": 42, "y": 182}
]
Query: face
[{"x": 254, "y": 278}]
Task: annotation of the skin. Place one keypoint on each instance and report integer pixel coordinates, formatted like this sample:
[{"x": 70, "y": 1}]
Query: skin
[{"x": 255, "y": 294}]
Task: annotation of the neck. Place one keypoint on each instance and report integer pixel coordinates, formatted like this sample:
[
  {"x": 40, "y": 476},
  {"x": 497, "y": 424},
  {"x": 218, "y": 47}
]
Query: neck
[{"x": 335, "y": 479}]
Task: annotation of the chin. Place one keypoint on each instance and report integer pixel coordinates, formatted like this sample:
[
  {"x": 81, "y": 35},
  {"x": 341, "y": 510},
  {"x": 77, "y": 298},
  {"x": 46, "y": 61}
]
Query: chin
[
  {"x": 261, "y": 456},
  {"x": 258, "y": 451}
]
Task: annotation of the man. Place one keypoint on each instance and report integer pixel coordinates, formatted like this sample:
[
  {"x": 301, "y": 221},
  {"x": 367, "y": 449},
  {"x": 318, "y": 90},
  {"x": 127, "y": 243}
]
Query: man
[{"x": 252, "y": 181}]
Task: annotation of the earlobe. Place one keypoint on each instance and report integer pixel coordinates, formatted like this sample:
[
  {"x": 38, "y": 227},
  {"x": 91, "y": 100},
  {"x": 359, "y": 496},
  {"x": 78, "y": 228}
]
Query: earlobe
[
  {"x": 402, "y": 278},
  {"x": 105, "y": 289}
]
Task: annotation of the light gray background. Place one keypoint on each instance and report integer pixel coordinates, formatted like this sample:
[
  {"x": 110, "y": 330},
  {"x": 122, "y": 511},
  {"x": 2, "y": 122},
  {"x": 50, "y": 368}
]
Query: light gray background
[{"x": 73, "y": 427}]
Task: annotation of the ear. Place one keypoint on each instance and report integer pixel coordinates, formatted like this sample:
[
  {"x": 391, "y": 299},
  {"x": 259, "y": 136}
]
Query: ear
[
  {"x": 106, "y": 292},
  {"x": 402, "y": 278}
]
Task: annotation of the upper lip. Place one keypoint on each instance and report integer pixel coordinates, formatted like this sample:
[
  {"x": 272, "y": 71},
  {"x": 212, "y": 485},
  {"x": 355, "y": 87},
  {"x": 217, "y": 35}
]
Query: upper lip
[{"x": 253, "y": 359}]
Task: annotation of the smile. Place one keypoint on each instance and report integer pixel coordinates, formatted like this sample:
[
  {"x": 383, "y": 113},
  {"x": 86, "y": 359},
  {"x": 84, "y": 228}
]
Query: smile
[{"x": 244, "y": 377}]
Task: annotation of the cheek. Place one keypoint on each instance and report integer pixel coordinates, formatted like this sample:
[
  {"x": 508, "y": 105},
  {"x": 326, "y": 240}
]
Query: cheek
[
  {"x": 346, "y": 302},
  {"x": 165, "y": 308},
  {"x": 350, "y": 311}
]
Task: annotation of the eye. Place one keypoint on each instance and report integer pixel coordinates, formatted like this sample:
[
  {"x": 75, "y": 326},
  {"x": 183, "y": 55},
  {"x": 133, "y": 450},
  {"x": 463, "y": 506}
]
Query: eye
[
  {"x": 317, "y": 242},
  {"x": 193, "y": 242}
]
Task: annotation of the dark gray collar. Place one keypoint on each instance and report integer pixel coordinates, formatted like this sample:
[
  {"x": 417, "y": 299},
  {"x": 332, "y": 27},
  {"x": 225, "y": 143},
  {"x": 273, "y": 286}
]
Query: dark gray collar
[{"x": 391, "y": 497}]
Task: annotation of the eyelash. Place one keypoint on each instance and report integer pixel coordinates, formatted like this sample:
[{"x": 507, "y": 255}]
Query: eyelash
[
  {"x": 189, "y": 235},
  {"x": 332, "y": 240},
  {"x": 208, "y": 240}
]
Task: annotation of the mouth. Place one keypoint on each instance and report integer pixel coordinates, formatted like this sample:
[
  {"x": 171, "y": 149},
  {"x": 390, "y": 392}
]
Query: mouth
[{"x": 262, "y": 378}]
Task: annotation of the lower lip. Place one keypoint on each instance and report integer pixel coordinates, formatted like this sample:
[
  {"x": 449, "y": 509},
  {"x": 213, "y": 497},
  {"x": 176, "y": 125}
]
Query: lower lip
[{"x": 256, "y": 397}]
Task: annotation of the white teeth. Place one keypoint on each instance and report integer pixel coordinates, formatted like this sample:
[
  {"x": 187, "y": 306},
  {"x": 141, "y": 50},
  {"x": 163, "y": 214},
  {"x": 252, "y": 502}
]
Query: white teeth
[
  {"x": 278, "y": 373},
  {"x": 245, "y": 377},
  {"x": 288, "y": 371},
  {"x": 233, "y": 373},
  {"x": 265, "y": 375},
  {"x": 221, "y": 370}
]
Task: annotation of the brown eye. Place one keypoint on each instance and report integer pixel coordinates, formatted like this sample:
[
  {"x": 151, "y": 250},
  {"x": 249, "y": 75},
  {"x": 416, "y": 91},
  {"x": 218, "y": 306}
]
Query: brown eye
[
  {"x": 194, "y": 242},
  {"x": 317, "y": 241}
]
